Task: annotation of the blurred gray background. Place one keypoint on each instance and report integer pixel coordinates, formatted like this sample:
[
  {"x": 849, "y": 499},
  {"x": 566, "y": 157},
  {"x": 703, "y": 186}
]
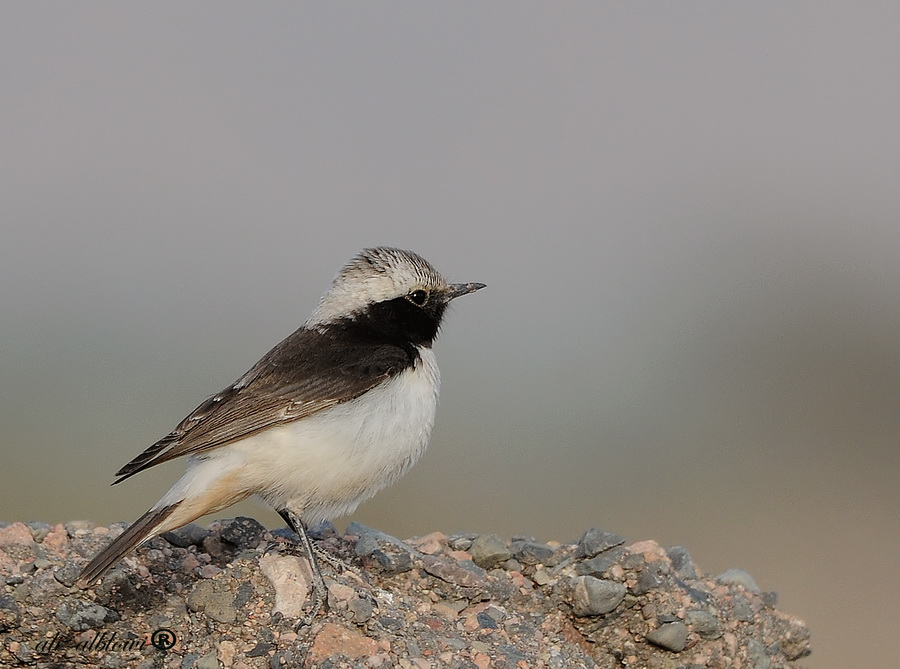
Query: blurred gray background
[{"x": 687, "y": 215}]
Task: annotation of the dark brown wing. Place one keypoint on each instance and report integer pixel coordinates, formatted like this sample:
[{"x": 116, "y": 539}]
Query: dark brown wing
[{"x": 306, "y": 373}]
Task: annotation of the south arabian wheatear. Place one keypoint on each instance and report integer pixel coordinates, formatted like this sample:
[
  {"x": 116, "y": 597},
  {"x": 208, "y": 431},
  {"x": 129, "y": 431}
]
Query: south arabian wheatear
[{"x": 334, "y": 413}]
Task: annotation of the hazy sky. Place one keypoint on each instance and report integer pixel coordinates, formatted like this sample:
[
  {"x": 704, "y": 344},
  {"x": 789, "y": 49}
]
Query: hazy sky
[{"x": 687, "y": 215}]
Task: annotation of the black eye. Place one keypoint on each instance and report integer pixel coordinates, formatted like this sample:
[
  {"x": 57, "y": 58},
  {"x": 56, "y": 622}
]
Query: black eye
[{"x": 418, "y": 297}]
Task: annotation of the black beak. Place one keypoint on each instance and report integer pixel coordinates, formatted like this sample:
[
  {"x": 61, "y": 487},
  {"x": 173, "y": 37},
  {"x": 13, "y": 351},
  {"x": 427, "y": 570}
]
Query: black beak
[{"x": 457, "y": 289}]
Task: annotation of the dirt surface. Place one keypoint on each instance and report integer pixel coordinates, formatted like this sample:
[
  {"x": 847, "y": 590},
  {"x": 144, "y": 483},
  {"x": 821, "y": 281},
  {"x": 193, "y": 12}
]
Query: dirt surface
[{"x": 237, "y": 595}]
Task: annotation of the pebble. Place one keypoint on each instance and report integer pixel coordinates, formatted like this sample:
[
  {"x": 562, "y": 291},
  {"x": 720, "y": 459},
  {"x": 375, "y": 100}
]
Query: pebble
[
  {"x": 290, "y": 578},
  {"x": 595, "y": 541},
  {"x": 593, "y": 596},
  {"x": 682, "y": 562},
  {"x": 671, "y": 636},
  {"x": 10, "y": 613},
  {"x": 81, "y": 615},
  {"x": 430, "y": 543},
  {"x": 393, "y": 563},
  {"x": 191, "y": 534},
  {"x": 215, "y": 601},
  {"x": 489, "y": 550},
  {"x": 244, "y": 532},
  {"x": 649, "y": 579},
  {"x": 705, "y": 624},
  {"x": 599, "y": 564},
  {"x": 67, "y": 574},
  {"x": 532, "y": 552},
  {"x": 454, "y": 572},
  {"x": 16, "y": 534},
  {"x": 334, "y": 639},
  {"x": 739, "y": 577},
  {"x": 361, "y": 609}
]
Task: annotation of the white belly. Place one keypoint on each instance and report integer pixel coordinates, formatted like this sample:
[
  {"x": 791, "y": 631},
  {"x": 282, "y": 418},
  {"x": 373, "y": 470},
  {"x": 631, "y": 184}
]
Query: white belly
[{"x": 325, "y": 465}]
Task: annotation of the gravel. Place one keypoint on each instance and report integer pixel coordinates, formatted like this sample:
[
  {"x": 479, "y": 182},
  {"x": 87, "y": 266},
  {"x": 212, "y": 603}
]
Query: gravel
[{"x": 235, "y": 595}]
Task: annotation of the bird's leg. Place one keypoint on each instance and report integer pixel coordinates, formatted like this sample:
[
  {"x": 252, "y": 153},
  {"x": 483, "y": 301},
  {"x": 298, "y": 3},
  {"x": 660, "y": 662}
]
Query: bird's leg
[{"x": 299, "y": 528}]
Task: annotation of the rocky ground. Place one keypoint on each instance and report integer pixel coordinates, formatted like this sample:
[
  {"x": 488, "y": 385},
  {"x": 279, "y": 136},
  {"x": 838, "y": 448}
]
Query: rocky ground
[{"x": 236, "y": 595}]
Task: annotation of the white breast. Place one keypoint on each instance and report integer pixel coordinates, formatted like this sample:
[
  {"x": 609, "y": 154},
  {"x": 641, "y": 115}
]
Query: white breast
[{"x": 325, "y": 465}]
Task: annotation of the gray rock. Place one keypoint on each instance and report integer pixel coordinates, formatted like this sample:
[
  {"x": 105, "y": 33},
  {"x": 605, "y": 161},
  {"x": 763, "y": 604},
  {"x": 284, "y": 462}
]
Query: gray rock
[
  {"x": 208, "y": 661},
  {"x": 393, "y": 562},
  {"x": 739, "y": 577},
  {"x": 756, "y": 653},
  {"x": 682, "y": 562},
  {"x": 10, "y": 614},
  {"x": 260, "y": 649},
  {"x": 361, "y": 609},
  {"x": 81, "y": 615},
  {"x": 599, "y": 564},
  {"x": 67, "y": 574},
  {"x": 39, "y": 530},
  {"x": 671, "y": 636},
  {"x": 486, "y": 622},
  {"x": 593, "y": 596},
  {"x": 594, "y": 542},
  {"x": 532, "y": 552},
  {"x": 458, "y": 573},
  {"x": 244, "y": 532},
  {"x": 649, "y": 580},
  {"x": 705, "y": 624},
  {"x": 215, "y": 602},
  {"x": 488, "y": 551},
  {"x": 741, "y": 609},
  {"x": 191, "y": 534}
]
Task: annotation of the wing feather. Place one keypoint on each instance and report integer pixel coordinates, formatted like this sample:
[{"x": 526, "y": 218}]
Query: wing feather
[{"x": 306, "y": 373}]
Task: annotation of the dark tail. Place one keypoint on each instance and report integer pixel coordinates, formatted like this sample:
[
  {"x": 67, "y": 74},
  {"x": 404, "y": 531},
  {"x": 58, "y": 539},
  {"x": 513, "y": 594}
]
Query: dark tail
[{"x": 138, "y": 532}]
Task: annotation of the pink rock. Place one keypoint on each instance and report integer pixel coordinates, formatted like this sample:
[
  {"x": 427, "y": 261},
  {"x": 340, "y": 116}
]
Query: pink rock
[
  {"x": 651, "y": 550},
  {"x": 57, "y": 540},
  {"x": 16, "y": 534},
  {"x": 430, "y": 543},
  {"x": 336, "y": 639}
]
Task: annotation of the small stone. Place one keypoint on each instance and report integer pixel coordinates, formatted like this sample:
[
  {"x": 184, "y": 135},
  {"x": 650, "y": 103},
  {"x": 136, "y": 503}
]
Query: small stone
[
  {"x": 322, "y": 531},
  {"x": 454, "y": 572},
  {"x": 81, "y": 615},
  {"x": 682, "y": 562},
  {"x": 208, "y": 661},
  {"x": 191, "y": 534},
  {"x": 705, "y": 624},
  {"x": 213, "y": 599},
  {"x": 16, "y": 534},
  {"x": 67, "y": 574},
  {"x": 488, "y": 551},
  {"x": 596, "y": 541},
  {"x": 244, "y": 532},
  {"x": 10, "y": 613},
  {"x": 54, "y": 539},
  {"x": 741, "y": 609},
  {"x": 392, "y": 562},
  {"x": 361, "y": 609},
  {"x": 290, "y": 578},
  {"x": 334, "y": 639},
  {"x": 260, "y": 649},
  {"x": 647, "y": 581},
  {"x": 533, "y": 552},
  {"x": 593, "y": 596},
  {"x": 430, "y": 543},
  {"x": 486, "y": 622},
  {"x": 739, "y": 577},
  {"x": 599, "y": 564},
  {"x": 541, "y": 576},
  {"x": 671, "y": 636}
]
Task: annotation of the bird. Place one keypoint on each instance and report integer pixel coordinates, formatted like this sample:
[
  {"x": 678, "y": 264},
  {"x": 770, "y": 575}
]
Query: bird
[{"x": 339, "y": 410}]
